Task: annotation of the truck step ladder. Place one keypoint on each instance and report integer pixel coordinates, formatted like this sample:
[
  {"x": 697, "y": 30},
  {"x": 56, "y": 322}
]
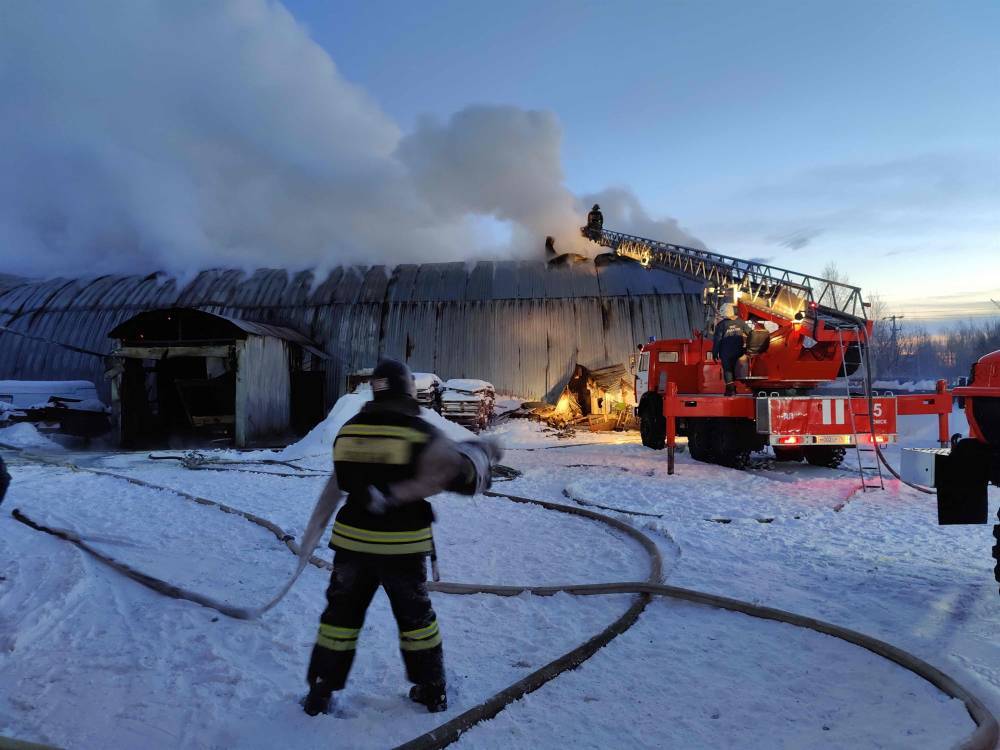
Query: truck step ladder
[{"x": 869, "y": 467}]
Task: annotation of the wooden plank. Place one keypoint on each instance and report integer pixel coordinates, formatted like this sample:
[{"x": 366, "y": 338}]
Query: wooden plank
[{"x": 164, "y": 352}]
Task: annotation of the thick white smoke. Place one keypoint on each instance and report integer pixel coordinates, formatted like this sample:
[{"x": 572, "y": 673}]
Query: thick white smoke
[{"x": 140, "y": 135}]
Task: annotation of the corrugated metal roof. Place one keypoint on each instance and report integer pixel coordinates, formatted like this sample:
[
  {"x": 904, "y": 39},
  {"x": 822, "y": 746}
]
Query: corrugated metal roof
[{"x": 522, "y": 325}]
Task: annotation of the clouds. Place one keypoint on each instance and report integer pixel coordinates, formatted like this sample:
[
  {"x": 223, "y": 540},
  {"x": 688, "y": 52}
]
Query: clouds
[{"x": 138, "y": 136}]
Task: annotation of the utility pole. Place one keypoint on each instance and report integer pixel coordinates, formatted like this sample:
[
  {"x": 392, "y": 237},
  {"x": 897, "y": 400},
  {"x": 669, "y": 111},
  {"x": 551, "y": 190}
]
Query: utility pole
[{"x": 894, "y": 337}]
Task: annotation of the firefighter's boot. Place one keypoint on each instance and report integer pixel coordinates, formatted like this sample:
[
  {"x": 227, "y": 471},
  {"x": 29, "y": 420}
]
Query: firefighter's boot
[
  {"x": 319, "y": 700},
  {"x": 432, "y": 696}
]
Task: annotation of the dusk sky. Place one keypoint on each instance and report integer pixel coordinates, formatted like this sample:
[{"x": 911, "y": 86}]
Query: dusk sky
[
  {"x": 857, "y": 132},
  {"x": 144, "y": 135}
]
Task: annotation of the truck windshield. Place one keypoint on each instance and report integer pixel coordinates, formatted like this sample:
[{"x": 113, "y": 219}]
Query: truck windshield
[{"x": 644, "y": 362}]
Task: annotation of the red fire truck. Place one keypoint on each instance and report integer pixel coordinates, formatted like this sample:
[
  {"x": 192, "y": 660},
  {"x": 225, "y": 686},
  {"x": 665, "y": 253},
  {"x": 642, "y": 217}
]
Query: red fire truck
[{"x": 810, "y": 336}]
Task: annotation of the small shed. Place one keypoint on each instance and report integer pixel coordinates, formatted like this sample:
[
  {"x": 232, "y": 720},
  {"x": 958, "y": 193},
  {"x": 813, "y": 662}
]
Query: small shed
[
  {"x": 184, "y": 377},
  {"x": 605, "y": 395}
]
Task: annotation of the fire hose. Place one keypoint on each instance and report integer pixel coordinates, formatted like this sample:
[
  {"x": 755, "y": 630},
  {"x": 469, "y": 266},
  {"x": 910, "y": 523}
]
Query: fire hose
[{"x": 984, "y": 737}]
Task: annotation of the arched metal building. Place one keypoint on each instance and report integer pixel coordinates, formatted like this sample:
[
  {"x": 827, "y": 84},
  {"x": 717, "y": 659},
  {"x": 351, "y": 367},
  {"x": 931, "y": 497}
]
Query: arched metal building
[{"x": 521, "y": 325}]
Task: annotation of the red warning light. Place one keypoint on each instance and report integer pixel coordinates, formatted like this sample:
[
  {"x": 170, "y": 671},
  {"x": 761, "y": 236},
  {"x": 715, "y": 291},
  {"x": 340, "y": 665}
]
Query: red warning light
[{"x": 789, "y": 440}]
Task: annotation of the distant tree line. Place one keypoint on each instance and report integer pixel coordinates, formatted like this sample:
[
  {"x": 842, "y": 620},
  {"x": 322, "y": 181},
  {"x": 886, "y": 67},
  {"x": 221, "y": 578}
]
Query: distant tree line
[
  {"x": 903, "y": 351},
  {"x": 918, "y": 355}
]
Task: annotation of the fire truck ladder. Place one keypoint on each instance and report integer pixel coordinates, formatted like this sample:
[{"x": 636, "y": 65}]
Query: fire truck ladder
[
  {"x": 865, "y": 447},
  {"x": 756, "y": 283}
]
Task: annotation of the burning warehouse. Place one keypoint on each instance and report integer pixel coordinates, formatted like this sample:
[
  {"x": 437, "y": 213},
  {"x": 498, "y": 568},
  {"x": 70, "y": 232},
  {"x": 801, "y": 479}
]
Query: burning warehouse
[{"x": 522, "y": 325}]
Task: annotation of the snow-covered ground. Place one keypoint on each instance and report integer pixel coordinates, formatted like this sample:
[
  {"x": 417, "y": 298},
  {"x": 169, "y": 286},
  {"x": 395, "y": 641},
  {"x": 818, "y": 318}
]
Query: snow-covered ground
[{"x": 89, "y": 659}]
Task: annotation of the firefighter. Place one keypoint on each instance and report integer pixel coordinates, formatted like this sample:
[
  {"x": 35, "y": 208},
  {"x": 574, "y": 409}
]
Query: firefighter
[
  {"x": 388, "y": 460},
  {"x": 729, "y": 345},
  {"x": 595, "y": 222}
]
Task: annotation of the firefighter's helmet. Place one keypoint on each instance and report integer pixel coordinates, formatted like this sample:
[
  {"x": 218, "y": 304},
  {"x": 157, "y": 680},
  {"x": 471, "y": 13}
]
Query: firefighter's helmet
[{"x": 392, "y": 379}]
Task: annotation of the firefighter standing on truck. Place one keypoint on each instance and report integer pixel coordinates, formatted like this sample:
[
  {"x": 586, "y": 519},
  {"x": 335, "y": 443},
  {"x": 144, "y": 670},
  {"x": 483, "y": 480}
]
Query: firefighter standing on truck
[
  {"x": 388, "y": 460},
  {"x": 729, "y": 344}
]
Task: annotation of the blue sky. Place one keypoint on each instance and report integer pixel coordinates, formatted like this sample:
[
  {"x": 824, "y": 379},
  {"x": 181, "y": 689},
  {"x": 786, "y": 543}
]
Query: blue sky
[{"x": 865, "y": 133}]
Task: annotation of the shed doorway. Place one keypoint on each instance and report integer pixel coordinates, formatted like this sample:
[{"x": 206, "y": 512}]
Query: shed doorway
[{"x": 184, "y": 378}]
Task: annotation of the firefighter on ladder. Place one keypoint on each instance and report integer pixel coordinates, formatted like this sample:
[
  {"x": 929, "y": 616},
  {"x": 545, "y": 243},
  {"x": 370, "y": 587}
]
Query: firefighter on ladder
[
  {"x": 388, "y": 460},
  {"x": 595, "y": 222}
]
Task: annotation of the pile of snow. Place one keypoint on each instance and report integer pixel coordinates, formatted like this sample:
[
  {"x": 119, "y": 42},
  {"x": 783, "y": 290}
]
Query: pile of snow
[
  {"x": 25, "y": 435},
  {"x": 26, "y": 394},
  {"x": 320, "y": 439}
]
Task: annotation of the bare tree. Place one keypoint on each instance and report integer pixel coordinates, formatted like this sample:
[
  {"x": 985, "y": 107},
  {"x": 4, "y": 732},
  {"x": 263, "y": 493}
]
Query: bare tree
[{"x": 832, "y": 273}]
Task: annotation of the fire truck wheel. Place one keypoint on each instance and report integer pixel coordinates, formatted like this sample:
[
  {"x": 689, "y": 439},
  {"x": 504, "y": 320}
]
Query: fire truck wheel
[
  {"x": 730, "y": 445},
  {"x": 829, "y": 456},
  {"x": 699, "y": 442},
  {"x": 787, "y": 454},
  {"x": 652, "y": 423},
  {"x": 653, "y": 430}
]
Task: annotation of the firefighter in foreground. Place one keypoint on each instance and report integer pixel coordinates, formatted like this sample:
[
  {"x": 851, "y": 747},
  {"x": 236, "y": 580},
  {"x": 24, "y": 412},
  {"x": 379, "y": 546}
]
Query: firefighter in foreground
[
  {"x": 388, "y": 460},
  {"x": 729, "y": 344}
]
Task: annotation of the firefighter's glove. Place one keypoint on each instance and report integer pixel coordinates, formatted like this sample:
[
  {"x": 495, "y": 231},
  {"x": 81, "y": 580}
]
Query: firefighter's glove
[{"x": 475, "y": 475}]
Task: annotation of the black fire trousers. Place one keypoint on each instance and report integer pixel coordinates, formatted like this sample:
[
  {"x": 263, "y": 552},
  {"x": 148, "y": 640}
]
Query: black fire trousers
[
  {"x": 729, "y": 364},
  {"x": 354, "y": 581}
]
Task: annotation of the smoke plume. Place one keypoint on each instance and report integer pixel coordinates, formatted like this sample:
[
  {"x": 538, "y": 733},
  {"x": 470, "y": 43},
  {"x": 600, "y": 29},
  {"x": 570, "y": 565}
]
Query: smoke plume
[{"x": 141, "y": 135}]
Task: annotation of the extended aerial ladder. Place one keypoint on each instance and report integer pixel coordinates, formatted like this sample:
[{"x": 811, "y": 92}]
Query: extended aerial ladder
[{"x": 757, "y": 284}]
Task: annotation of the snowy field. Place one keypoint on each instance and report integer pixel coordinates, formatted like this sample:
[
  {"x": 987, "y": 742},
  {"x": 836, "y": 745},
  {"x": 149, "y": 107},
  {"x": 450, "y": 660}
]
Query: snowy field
[{"x": 90, "y": 659}]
